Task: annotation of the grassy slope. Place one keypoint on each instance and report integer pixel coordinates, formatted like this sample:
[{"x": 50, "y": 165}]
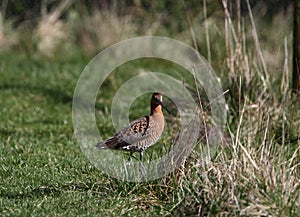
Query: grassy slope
[
  {"x": 42, "y": 168},
  {"x": 43, "y": 171}
]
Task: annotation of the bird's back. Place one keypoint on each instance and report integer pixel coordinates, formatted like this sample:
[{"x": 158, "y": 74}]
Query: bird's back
[{"x": 138, "y": 135}]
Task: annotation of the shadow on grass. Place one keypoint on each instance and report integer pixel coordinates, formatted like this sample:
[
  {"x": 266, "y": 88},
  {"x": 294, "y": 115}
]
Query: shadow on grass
[
  {"x": 35, "y": 193},
  {"x": 55, "y": 190},
  {"x": 57, "y": 95},
  {"x": 7, "y": 133}
]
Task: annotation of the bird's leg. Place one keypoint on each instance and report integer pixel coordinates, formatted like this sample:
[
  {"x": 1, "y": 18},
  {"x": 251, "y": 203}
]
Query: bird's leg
[
  {"x": 141, "y": 155},
  {"x": 130, "y": 155}
]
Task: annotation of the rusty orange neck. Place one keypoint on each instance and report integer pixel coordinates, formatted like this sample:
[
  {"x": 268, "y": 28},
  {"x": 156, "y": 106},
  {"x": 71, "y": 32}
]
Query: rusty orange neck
[{"x": 156, "y": 109}]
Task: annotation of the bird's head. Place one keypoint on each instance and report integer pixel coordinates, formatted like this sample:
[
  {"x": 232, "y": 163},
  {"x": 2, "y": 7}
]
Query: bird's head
[{"x": 157, "y": 104}]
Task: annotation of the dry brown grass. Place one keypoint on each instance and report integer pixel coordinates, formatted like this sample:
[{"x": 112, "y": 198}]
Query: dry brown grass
[
  {"x": 51, "y": 31},
  {"x": 7, "y": 35},
  {"x": 104, "y": 28},
  {"x": 258, "y": 173}
]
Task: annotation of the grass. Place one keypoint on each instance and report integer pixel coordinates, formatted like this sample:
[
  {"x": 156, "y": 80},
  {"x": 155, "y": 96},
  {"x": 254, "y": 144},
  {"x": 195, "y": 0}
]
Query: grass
[{"x": 44, "y": 173}]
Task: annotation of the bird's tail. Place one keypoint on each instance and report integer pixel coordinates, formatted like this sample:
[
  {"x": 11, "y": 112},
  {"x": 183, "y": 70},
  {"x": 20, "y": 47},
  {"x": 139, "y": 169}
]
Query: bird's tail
[{"x": 109, "y": 143}]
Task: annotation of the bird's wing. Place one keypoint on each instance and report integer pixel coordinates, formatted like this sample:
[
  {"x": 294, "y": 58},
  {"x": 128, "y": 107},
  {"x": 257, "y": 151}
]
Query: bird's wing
[{"x": 138, "y": 133}]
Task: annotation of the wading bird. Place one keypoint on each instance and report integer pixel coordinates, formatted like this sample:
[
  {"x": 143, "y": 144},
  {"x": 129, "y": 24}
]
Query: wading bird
[{"x": 141, "y": 133}]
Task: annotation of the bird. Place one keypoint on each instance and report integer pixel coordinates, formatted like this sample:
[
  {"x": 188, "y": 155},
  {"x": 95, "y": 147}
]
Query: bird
[{"x": 141, "y": 133}]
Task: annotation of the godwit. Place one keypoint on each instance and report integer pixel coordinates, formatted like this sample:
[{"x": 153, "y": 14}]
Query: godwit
[{"x": 141, "y": 133}]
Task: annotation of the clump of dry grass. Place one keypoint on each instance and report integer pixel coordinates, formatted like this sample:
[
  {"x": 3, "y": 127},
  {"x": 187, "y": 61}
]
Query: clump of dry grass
[
  {"x": 105, "y": 27},
  {"x": 7, "y": 37},
  {"x": 51, "y": 31},
  {"x": 258, "y": 173},
  {"x": 4, "y": 41}
]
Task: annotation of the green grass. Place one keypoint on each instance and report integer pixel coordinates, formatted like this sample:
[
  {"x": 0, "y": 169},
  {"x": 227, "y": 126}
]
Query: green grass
[{"x": 43, "y": 171}]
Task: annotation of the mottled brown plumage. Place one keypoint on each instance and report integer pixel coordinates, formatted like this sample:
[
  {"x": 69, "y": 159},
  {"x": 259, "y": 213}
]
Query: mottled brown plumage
[{"x": 141, "y": 133}]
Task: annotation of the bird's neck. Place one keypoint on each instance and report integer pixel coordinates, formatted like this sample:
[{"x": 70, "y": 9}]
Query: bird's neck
[{"x": 156, "y": 110}]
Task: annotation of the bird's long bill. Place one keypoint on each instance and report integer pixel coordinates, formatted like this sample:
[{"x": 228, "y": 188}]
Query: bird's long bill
[{"x": 163, "y": 105}]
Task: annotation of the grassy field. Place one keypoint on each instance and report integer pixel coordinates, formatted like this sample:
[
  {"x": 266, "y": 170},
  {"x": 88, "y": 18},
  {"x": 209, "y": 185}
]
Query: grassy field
[{"x": 43, "y": 171}]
